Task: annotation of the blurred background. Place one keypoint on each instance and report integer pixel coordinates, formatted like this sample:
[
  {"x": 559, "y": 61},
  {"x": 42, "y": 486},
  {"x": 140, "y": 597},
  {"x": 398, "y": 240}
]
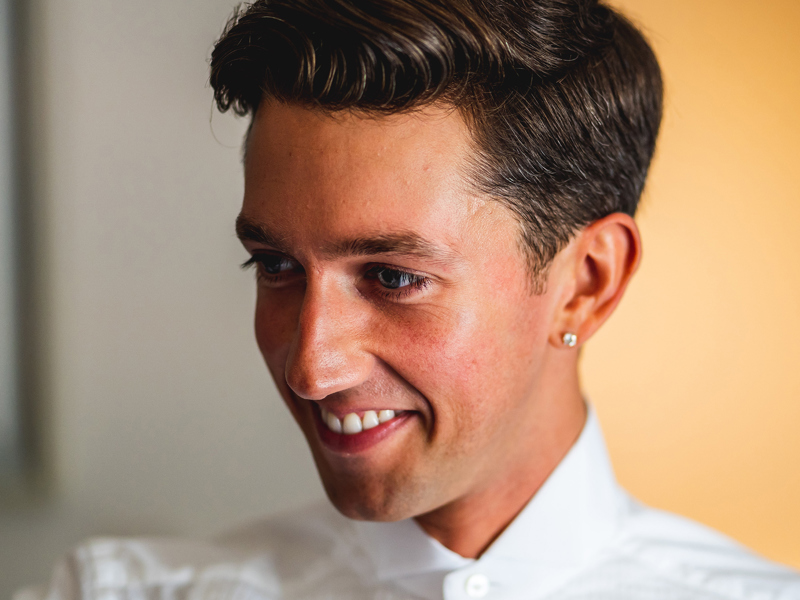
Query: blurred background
[{"x": 143, "y": 393}]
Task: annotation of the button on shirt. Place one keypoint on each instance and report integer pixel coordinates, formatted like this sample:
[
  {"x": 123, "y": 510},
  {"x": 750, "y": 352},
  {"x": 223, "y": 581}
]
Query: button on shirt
[{"x": 580, "y": 537}]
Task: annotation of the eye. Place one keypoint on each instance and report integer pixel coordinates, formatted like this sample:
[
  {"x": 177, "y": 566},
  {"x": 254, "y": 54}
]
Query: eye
[
  {"x": 272, "y": 265},
  {"x": 394, "y": 282},
  {"x": 393, "y": 279}
]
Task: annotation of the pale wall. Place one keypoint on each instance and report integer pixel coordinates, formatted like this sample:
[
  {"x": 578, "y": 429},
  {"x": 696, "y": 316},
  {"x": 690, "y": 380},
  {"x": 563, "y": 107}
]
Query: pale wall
[{"x": 161, "y": 416}]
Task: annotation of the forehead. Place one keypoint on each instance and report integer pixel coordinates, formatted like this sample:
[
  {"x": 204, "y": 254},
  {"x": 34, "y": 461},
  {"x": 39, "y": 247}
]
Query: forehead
[
  {"x": 320, "y": 173},
  {"x": 282, "y": 130}
]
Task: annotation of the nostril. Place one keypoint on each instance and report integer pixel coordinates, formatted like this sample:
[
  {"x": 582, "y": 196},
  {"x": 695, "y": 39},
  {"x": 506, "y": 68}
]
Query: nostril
[
  {"x": 307, "y": 371},
  {"x": 304, "y": 385},
  {"x": 314, "y": 372}
]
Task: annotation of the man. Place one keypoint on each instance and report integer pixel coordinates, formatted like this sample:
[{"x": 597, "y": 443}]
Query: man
[{"x": 439, "y": 202}]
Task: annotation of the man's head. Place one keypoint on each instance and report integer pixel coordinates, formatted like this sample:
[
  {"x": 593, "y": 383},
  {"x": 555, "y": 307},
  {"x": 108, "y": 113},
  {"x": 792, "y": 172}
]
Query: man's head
[
  {"x": 410, "y": 165},
  {"x": 562, "y": 97}
]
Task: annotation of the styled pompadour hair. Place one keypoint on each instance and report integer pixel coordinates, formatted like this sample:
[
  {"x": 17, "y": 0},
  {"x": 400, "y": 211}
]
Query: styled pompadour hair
[{"x": 563, "y": 97}]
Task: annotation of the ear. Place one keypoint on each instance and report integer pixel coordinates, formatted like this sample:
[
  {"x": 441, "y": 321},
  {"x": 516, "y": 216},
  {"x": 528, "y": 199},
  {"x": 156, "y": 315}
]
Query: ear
[{"x": 597, "y": 266}]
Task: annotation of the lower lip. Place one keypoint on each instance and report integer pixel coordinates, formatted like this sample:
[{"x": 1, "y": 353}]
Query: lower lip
[{"x": 358, "y": 442}]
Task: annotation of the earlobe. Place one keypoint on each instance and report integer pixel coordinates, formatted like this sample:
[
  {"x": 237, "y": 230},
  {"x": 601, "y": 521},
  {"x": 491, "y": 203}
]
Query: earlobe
[{"x": 602, "y": 259}]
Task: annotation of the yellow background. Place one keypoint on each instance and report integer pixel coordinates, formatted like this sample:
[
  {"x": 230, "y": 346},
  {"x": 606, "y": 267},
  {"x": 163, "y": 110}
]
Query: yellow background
[{"x": 696, "y": 378}]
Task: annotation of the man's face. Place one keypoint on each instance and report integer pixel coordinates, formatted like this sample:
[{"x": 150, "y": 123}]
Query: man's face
[{"x": 385, "y": 284}]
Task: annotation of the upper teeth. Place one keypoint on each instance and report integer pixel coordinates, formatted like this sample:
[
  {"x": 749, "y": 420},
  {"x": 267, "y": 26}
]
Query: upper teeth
[{"x": 352, "y": 423}]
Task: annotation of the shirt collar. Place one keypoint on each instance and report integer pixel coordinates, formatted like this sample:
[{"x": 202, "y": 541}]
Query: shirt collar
[
  {"x": 403, "y": 548},
  {"x": 573, "y": 515}
]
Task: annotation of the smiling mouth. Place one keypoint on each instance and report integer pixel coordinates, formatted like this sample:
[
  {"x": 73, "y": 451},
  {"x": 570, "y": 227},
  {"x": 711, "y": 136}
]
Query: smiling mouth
[
  {"x": 357, "y": 432},
  {"x": 353, "y": 424}
]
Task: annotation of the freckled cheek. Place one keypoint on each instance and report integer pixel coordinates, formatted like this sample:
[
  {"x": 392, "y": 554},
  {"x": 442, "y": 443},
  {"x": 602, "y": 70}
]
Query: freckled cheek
[
  {"x": 472, "y": 361},
  {"x": 276, "y": 321},
  {"x": 442, "y": 354}
]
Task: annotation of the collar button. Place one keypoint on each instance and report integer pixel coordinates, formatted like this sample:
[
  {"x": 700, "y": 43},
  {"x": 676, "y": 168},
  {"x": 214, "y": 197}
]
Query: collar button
[{"x": 477, "y": 585}]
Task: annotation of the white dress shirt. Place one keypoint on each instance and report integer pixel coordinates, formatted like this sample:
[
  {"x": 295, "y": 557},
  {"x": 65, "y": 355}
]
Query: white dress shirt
[{"x": 580, "y": 537}]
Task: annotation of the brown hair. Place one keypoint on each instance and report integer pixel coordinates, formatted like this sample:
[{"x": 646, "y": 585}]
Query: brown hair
[{"x": 563, "y": 97}]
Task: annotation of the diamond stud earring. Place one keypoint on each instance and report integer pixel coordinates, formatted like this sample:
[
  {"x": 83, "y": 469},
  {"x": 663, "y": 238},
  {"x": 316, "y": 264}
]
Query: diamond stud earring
[{"x": 569, "y": 339}]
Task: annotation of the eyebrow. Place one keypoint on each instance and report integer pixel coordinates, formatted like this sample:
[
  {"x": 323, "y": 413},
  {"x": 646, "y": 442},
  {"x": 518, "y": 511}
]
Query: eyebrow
[
  {"x": 248, "y": 230},
  {"x": 405, "y": 243}
]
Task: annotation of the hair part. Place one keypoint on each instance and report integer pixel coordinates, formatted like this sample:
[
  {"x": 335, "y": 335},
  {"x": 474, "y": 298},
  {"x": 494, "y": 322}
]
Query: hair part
[{"x": 563, "y": 97}]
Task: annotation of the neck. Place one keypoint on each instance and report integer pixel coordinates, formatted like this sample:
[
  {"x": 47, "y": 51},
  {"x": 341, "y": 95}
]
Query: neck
[{"x": 470, "y": 524}]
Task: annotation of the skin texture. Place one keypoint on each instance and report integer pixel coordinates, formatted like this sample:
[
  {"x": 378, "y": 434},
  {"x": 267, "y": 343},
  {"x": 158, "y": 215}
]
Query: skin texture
[{"x": 335, "y": 205}]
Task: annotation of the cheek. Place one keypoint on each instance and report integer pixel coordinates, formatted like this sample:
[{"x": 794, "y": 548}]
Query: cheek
[
  {"x": 471, "y": 357},
  {"x": 276, "y": 319}
]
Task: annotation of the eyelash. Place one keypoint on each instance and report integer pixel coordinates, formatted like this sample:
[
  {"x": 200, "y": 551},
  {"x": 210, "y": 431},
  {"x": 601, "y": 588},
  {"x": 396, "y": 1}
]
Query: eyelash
[
  {"x": 257, "y": 261},
  {"x": 416, "y": 283}
]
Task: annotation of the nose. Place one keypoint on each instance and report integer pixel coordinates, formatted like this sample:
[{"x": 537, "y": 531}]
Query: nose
[{"x": 327, "y": 353}]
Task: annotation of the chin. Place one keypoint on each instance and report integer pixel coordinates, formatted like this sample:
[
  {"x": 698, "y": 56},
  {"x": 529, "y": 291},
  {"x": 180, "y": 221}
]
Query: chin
[{"x": 364, "y": 500}]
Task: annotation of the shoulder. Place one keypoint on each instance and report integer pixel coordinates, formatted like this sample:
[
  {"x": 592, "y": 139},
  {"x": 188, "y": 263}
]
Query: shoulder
[
  {"x": 254, "y": 562},
  {"x": 685, "y": 559}
]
